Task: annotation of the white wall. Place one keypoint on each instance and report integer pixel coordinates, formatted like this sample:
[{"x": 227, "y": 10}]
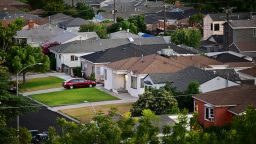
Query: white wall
[
  {"x": 138, "y": 91},
  {"x": 207, "y": 27},
  {"x": 215, "y": 84},
  {"x": 108, "y": 82}
]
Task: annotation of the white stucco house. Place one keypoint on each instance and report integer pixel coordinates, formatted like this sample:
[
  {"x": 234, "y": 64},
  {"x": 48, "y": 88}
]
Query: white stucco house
[
  {"x": 208, "y": 80},
  {"x": 128, "y": 75}
]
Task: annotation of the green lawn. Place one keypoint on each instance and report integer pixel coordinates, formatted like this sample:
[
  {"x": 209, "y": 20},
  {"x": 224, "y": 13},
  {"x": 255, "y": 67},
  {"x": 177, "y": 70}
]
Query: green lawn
[
  {"x": 41, "y": 84},
  {"x": 73, "y": 96}
]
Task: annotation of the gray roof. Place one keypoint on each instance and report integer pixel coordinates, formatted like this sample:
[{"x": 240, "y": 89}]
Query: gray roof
[
  {"x": 93, "y": 45},
  {"x": 63, "y": 37},
  {"x": 75, "y": 22},
  {"x": 39, "y": 34},
  {"x": 233, "y": 16},
  {"x": 59, "y": 17},
  {"x": 122, "y": 34},
  {"x": 88, "y": 35},
  {"x": 229, "y": 74},
  {"x": 182, "y": 78},
  {"x": 14, "y": 15},
  {"x": 243, "y": 23}
]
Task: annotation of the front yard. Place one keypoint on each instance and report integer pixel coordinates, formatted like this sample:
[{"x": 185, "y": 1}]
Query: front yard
[
  {"x": 73, "y": 96},
  {"x": 41, "y": 84},
  {"x": 85, "y": 114}
]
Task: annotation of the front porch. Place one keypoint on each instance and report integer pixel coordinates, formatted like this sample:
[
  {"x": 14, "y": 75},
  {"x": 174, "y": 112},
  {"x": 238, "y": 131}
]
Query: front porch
[{"x": 119, "y": 82}]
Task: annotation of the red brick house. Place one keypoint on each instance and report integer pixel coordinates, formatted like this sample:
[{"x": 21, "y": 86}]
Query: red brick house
[{"x": 217, "y": 108}]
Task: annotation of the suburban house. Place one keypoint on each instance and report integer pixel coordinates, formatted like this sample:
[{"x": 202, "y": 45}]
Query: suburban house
[
  {"x": 12, "y": 5},
  {"x": 240, "y": 36},
  {"x": 73, "y": 24},
  {"x": 69, "y": 36},
  {"x": 175, "y": 17},
  {"x": 213, "y": 23},
  {"x": 92, "y": 3},
  {"x": 248, "y": 74},
  {"x": 68, "y": 55},
  {"x": 128, "y": 74},
  {"x": 58, "y": 18},
  {"x": 38, "y": 35},
  {"x": 95, "y": 62},
  {"x": 208, "y": 80},
  {"x": 213, "y": 44},
  {"x": 217, "y": 108},
  {"x": 228, "y": 74}
]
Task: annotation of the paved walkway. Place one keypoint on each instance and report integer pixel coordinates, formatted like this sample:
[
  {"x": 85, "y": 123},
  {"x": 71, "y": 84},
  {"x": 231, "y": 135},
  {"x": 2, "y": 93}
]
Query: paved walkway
[
  {"x": 40, "y": 75},
  {"x": 42, "y": 91}
]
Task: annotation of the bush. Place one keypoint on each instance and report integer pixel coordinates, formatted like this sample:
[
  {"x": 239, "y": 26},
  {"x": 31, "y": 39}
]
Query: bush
[
  {"x": 77, "y": 72},
  {"x": 92, "y": 77}
]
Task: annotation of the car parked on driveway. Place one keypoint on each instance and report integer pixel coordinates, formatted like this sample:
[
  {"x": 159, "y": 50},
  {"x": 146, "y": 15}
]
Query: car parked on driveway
[{"x": 78, "y": 83}]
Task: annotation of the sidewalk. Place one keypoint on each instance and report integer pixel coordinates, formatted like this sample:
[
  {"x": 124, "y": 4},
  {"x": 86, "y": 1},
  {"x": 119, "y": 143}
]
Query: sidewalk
[
  {"x": 89, "y": 104},
  {"x": 43, "y": 91},
  {"x": 41, "y": 75}
]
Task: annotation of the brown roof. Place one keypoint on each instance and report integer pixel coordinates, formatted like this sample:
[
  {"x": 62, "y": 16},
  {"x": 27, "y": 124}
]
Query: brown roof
[
  {"x": 240, "y": 64},
  {"x": 250, "y": 71},
  {"x": 238, "y": 98},
  {"x": 246, "y": 46},
  {"x": 158, "y": 64}
]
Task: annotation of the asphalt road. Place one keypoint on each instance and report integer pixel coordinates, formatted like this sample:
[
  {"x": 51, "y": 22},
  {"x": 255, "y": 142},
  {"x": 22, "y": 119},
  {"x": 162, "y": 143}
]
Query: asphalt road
[{"x": 40, "y": 120}]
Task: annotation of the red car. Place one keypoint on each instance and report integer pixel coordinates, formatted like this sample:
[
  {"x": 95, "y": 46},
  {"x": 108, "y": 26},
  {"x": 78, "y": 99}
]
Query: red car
[{"x": 78, "y": 83}]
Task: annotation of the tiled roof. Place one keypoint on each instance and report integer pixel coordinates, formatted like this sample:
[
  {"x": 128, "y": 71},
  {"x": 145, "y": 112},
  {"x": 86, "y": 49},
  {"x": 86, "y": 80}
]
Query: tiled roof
[
  {"x": 243, "y": 23},
  {"x": 122, "y": 34},
  {"x": 250, "y": 71},
  {"x": 75, "y": 22},
  {"x": 233, "y": 16},
  {"x": 229, "y": 74},
  {"x": 239, "y": 64},
  {"x": 237, "y": 98},
  {"x": 227, "y": 57}
]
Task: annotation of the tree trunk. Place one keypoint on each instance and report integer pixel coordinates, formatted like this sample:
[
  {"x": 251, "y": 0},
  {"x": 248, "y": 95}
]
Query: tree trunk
[{"x": 24, "y": 77}]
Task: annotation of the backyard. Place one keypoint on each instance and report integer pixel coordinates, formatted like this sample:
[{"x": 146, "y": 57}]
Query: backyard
[
  {"x": 85, "y": 114},
  {"x": 73, "y": 96},
  {"x": 41, "y": 84}
]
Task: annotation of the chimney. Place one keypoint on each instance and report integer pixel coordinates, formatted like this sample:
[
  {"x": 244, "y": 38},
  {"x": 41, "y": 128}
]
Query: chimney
[
  {"x": 31, "y": 24},
  {"x": 142, "y": 60}
]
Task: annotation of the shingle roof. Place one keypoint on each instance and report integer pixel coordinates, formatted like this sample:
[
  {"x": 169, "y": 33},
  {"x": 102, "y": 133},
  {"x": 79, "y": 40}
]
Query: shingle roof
[
  {"x": 94, "y": 45},
  {"x": 233, "y": 16},
  {"x": 237, "y": 98},
  {"x": 40, "y": 34},
  {"x": 130, "y": 50},
  {"x": 75, "y": 22},
  {"x": 229, "y": 74},
  {"x": 250, "y": 71},
  {"x": 227, "y": 57},
  {"x": 122, "y": 34},
  {"x": 158, "y": 64},
  {"x": 181, "y": 79},
  {"x": 59, "y": 17},
  {"x": 243, "y": 23}
]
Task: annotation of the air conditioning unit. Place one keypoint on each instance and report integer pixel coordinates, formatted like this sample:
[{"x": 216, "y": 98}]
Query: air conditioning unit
[{"x": 167, "y": 52}]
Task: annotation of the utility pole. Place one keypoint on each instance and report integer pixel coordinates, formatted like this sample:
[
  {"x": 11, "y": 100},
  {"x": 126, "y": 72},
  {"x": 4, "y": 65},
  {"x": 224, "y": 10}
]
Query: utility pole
[
  {"x": 72, "y": 3},
  {"x": 114, "y": 11},
  {"x": 164, "y": 16}
]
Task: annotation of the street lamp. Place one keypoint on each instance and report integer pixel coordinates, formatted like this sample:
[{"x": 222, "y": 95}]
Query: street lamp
[{"x": 17, "y": 89}]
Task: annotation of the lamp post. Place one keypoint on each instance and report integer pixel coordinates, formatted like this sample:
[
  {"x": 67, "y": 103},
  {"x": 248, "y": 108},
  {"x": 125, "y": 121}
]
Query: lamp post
[{"x": 17, "y": 89}]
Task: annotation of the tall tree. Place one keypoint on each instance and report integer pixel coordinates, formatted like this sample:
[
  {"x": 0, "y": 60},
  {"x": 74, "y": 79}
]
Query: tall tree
[
  {"x": 19, "y": 57},
  {"x": 7, "y": 33}
]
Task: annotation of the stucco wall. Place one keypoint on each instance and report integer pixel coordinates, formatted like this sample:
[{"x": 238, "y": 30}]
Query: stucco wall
[
  {"x": 207, "y": 27},
  {"x": 108, "y": 82},
  {"x": 215, "y": 84}
]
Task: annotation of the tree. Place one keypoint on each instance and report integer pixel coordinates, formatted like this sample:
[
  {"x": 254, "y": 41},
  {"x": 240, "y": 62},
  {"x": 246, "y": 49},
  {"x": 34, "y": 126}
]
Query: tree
[
  {"x": 54, "y": 6},
  {"x": 196, "y": 20},
  {"x": 189, "y": 37},
  {"x": 100, "y": 29},
  {"x": 7, "y": 33},
  {"x": 159, "y": 101},
  {"x": 25, "y": 136},
  {"x": 186, "y": 100},
  {"x": 19, "y": 57},
  {"x": 84, "y": 11}
]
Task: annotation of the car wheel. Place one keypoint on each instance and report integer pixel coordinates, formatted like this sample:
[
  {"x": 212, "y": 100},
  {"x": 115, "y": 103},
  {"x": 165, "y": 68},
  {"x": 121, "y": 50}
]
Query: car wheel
[
  {"x": 90, "y": 85},
  {"x": 71, "y": 87}
]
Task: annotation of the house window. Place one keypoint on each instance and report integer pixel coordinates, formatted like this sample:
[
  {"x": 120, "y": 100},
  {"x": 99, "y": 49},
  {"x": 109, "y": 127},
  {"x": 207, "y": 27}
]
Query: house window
[
  {"x": 133, "y": 82},
  {"x": 73, "y": 58},
  {"x": 59, "y": 56},
  {"x": 216, "y": 27},
  {"x": 211, "y": 26},
  {"x": 254, "y": 33},
  {"x": 142, "y": 83},
  {"x": 209, "y": 113},
  {"x": 105, "y": 74},
  {"x": 195, "y": 106}
]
